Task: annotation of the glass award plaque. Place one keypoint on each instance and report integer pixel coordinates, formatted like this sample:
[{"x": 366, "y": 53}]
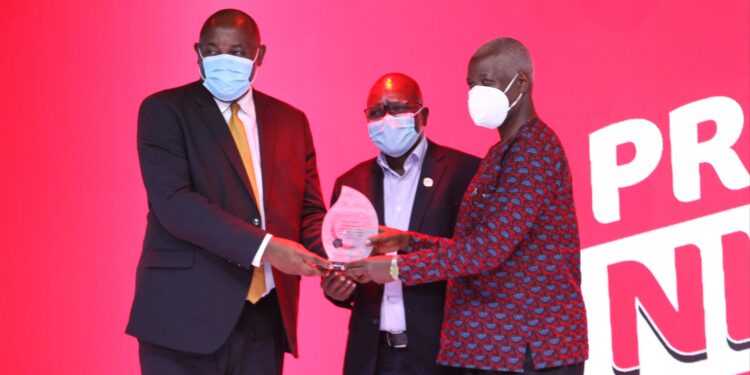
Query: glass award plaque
[{"x": 346, "y": 227}]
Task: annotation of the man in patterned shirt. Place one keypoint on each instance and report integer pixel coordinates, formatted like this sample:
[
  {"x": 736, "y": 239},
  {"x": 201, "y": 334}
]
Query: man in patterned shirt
[{"x": 514, "y": 302}]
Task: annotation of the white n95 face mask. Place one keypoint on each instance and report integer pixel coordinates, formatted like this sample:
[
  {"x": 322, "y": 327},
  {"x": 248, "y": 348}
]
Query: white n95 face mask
[{"x": 489, "y": 106}]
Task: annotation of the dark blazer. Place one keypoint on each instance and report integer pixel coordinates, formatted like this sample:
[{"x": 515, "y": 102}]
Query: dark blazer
[
  {"x": 203, "y": 225},
  {"x": 433, "y": 213}
]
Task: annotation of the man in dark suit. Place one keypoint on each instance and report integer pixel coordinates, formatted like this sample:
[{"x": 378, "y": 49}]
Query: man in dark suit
[
  {"x": 232, "y": 187},
  {"x": 417, "y": 185}
]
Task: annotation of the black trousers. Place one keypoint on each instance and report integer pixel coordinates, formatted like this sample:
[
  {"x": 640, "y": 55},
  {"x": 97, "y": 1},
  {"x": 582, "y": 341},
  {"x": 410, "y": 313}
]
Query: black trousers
[
  {"x": 255, "y": 347},
  {"x": 393, "y": 361},
  {"x": 528, "y": 369}
]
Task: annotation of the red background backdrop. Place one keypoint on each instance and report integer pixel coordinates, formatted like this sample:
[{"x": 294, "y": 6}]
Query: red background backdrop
[{"x": 74, "y": 73}]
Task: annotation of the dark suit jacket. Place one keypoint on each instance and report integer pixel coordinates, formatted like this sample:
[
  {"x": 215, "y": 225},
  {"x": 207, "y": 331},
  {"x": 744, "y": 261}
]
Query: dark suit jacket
[
  {"x": 203, "y": 225},
  {"x": 434, "y": 212}
]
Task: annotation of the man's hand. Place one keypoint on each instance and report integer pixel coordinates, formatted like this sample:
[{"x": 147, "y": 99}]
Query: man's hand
[
  {"x": 292, "y": 258},
  {"x": 376, "y": 269},
  {"x": 338, "y": 287},
  {"x": 388, "y": 240}
]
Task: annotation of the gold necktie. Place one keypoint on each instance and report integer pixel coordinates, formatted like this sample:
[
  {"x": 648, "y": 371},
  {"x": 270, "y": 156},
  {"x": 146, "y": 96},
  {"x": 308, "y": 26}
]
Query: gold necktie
[{"x": 237, "y": 128}]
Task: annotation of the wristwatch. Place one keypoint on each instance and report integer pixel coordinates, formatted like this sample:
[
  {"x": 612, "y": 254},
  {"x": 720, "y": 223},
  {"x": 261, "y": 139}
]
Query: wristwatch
[{"x": 394, "y": 268}]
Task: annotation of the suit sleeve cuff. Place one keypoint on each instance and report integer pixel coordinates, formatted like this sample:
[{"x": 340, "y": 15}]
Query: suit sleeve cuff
[{"x": 261, "y": 250}]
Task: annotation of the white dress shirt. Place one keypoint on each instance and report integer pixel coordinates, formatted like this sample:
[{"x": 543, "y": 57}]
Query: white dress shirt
[
  {"x": 246, "y": 113},
  {"x": 398, "y": 198}
]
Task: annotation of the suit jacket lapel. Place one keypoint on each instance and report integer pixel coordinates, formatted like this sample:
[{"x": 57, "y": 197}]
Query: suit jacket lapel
[
  {"x": 267, "y": 141},
  {"x": 432, "y": 168},
  {"x": 374, "y": 187},
  {"x": 209, "y": 113}
]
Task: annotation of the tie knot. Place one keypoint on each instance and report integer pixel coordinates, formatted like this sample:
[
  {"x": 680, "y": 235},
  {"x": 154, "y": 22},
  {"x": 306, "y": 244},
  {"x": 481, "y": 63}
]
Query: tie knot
[{"x": 235, "y": 107}]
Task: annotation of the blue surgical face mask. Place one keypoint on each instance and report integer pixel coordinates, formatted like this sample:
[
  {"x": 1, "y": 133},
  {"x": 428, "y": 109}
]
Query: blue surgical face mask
[
  {"x": 227, "y": 77},
  {"x": 394, "y": 135}
]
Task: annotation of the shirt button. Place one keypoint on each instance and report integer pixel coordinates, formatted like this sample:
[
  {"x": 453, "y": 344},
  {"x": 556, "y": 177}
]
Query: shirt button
[
  {"x": 256, "y": 222},
  {"x": 375, "y": 321}
]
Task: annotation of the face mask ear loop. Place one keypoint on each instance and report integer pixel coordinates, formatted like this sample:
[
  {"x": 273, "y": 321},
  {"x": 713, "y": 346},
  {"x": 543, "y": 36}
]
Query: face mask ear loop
[
  {"x": 255, "y": 67},
  {"x": 508, "y": 88},
  {"x": 516, "y": 101},
  {"x": 510, "y": 84},
  {"x": 200, "y": 71},
  {"x": 414, "y": 116}
]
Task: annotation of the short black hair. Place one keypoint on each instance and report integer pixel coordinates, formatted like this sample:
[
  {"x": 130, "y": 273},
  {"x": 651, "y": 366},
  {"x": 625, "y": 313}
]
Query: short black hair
[{"x": 234, "y": 17}]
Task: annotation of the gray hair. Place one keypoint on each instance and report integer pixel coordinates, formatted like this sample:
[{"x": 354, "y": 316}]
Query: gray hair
[{"x": 512, "y": 51}]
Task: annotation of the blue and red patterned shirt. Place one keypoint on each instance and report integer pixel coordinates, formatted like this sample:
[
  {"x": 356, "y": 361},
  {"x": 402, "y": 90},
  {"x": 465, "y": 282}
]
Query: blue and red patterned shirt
[{"x": 513, "y": 264}]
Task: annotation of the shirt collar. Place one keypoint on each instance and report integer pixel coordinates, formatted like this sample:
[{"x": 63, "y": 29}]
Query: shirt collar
[
  {"x": 245, "y": 101},
  {"x": 416, "y": 157}
]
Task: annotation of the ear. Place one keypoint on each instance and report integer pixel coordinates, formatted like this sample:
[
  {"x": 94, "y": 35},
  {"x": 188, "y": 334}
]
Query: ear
[
  {"x": 524, "y": 83},
  {"x": 197, "y": 48},
  {"x": 425, "y": 113},
  {"x": 261, "y": 54}
]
